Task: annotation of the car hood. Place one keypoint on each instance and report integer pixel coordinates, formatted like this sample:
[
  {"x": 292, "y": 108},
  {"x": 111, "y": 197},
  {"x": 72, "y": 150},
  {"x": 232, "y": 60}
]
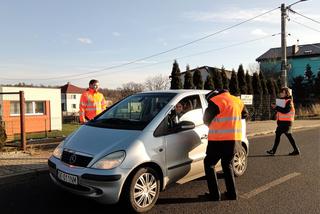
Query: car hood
[{"x": 92, "y": 140}]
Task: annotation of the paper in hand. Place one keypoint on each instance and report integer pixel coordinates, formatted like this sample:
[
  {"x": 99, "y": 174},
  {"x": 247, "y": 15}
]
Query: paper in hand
[{"x": 281, "y": 103}]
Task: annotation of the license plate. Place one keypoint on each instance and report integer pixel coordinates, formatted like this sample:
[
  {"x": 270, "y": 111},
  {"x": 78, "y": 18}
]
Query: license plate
[{"x": 71, "y": 179}]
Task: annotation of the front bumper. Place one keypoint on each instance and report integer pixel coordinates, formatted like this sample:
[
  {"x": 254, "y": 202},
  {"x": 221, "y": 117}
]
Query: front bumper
[{"x": 103, "y": 186}]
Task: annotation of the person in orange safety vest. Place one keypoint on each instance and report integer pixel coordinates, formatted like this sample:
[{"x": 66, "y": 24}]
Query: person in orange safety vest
[
  {"x": 285, "y": 118},
  {"x": 92, "y": 102},
  {"x": 223, "y": 117}
]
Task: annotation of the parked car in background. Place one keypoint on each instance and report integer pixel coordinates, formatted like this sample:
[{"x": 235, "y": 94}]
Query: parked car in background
[{"x": 134, "y": 149}]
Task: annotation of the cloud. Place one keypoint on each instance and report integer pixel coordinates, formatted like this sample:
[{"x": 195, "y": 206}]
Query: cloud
[
  {"x": 85, "y": 40},
  {"x": 116, "y": 34},
  {"x": 258, "y": 32}
]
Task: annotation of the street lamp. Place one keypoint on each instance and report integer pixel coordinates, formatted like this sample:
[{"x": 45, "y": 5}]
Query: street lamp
[{"x": 284, "y": 65}]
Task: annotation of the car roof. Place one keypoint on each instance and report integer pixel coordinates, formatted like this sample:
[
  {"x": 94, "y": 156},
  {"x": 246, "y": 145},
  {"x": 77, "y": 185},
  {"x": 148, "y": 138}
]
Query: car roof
[{"x": 178, "y": 91}]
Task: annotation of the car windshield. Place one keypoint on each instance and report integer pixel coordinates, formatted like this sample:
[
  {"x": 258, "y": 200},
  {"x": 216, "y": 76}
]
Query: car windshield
[{"x": 134, "y": 112}]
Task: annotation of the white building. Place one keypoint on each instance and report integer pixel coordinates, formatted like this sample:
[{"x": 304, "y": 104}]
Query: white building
[
  {"x": 42, "y": 109},
  {"x": 70, "y": 99}
]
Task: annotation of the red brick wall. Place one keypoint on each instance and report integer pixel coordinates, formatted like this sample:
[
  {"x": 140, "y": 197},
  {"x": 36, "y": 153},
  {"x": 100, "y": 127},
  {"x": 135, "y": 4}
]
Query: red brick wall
[{"x": 33, "y": 123}]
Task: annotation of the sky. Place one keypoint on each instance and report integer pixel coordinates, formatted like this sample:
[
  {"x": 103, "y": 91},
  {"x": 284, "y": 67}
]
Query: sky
[{"x": 120, "y": 41}]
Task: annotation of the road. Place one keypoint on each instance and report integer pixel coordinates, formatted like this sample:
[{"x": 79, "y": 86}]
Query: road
[{"x": 279, "y": 184}]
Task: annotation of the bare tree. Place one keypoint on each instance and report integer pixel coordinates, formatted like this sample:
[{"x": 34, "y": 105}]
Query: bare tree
[
  {"x": 130, "y": 88},
  {"x": 253, "y": 68},
  {"x": 158, "y": 82}
]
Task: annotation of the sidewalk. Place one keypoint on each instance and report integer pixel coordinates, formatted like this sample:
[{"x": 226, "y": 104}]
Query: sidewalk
[{"x": 19, "y": 163}]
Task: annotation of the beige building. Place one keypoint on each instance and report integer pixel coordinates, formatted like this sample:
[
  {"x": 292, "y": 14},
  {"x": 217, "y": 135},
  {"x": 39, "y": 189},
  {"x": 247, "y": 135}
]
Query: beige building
[{"x": 42, "y": 106}]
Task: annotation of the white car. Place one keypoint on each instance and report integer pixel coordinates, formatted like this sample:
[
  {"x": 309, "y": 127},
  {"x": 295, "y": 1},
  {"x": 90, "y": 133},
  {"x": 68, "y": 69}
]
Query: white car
[{"x": 138, "y": 146}]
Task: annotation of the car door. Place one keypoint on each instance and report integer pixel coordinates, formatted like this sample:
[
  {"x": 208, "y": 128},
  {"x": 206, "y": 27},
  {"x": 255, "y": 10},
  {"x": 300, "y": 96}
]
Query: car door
[{"x": 185, "y": 150}]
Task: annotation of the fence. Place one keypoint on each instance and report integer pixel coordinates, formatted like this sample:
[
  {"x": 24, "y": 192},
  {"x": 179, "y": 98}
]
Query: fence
[
  {"x": 35, "y": 128},
  {"x": 261, "y": 108}
]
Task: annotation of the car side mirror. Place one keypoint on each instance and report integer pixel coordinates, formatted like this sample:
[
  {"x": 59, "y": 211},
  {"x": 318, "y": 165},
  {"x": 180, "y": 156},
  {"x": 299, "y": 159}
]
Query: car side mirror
[{"x": 186, "y": 125}]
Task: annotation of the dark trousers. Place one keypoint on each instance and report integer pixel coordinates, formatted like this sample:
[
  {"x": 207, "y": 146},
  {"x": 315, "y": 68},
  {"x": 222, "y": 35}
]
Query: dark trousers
[
  {"x": 277, "y": 141},
  {"x": 225, "y": 151}
]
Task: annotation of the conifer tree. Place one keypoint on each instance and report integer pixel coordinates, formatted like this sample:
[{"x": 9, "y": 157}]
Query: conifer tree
[
  {"x": 225, "y": 80},
  {"x": 317, "y": 85},
  {"x": 209, "y": 85},
  {"x": 188, "y": 81},
  {"x": 276, "y": 88},
  {"x": 233, "y": 85},
  {"x": 271, "y": 88},
  {"x": 217, "y": 79},
  {"x": 241, "y": 80},
  {"x": 309, "y": 77},
  {"x": 256, "y": 84},
  {"x": 257, "y": 96},
  {"x": 197, "y": 79},
  {"x": 279, "y": 84},
  {"x": 175, "y": 76},
  {"x": 298, "y": 89},
  {"x": 249, "y": 83},
  {"x": 263, "y": 84}
]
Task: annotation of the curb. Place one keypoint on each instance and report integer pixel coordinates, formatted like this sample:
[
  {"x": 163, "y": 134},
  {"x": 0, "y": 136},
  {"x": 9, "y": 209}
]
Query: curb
[
  {"x": 273, "y": 131},
  {"x": 21, "y": 176}
]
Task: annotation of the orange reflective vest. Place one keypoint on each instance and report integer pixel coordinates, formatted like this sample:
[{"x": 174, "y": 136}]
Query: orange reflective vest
[
  {"x": 92, "y": 103},
  {"x": 227, "y": 124},
  {"x": 288, "y": 116}
]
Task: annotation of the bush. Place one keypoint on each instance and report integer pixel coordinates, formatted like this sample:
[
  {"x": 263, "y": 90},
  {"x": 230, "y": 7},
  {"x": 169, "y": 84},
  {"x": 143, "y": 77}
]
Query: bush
[{"x": 3, "y": 136}]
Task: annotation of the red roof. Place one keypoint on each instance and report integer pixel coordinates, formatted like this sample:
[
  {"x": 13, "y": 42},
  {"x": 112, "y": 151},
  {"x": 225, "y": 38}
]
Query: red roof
[{"x": 69, "y": 88}]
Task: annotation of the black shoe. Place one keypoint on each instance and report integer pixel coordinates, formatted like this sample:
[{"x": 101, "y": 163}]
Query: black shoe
[
  {"x": 294, "y": 153},
  {"x": 230, "y": 196},
  {"x": 210, "y": 197},
  {"x": 271, "y": 152}
]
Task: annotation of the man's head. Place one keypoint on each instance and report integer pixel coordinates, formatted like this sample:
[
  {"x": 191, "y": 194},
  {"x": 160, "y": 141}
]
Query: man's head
[
  {"x": 179, "y": 108},
  {"x": 94, "y": 84}
]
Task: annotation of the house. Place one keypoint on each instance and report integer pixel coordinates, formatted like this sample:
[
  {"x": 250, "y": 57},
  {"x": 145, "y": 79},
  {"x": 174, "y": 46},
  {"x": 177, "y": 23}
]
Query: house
[
  {"x": 205, "y": 71},
  {"x": 70, "y": 99},
  {"x": 298, "y": 56},
  {"x": 42, "y": 107}
]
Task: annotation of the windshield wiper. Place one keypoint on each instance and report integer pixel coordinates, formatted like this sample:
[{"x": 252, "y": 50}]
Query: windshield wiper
[{"x": 112, "y": 120}]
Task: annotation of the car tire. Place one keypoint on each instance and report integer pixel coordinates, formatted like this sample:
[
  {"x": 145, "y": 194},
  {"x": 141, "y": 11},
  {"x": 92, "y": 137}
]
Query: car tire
[
  {"x": 240, "y": 161},
  {"x": 143, "y": 190}
]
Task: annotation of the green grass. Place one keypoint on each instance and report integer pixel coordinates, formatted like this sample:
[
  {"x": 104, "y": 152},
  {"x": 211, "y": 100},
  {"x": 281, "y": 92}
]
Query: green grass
[{"x": 66, "y": 130}]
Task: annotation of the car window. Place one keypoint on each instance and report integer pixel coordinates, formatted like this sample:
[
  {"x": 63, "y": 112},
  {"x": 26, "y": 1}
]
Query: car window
[
  {"x": 134, "y": 112},
  {"x": 188, "y": 104}
]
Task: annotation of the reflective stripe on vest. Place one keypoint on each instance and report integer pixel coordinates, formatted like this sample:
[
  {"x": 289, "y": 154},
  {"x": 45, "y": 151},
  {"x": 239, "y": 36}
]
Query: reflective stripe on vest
[
  {"x": 289, "y": 116},
  {"x": 227, "y": 124},
  {"x": 91, "y": 104}
]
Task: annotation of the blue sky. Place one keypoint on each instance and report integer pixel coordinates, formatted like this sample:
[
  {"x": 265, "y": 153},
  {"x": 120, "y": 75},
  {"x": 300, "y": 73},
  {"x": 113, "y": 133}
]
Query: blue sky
[{"x": 53, "y": 42}]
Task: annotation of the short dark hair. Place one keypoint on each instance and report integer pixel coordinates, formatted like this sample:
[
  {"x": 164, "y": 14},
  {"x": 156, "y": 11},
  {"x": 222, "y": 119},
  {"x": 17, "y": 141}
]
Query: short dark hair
[{"x": 93, "y": 81}]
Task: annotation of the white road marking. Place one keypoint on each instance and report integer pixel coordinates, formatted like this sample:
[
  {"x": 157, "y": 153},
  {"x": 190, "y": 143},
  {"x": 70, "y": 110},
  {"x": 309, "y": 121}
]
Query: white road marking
[{"x": 269, "y": 185}]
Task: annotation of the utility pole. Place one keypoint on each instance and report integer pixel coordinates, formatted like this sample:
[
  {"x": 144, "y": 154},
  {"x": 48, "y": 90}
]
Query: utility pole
[
  {"x": 284, "y": 46},
  {"x": 284, "y": 63}
]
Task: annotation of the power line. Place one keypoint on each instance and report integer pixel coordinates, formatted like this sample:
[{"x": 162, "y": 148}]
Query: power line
[
  {"x": 305, "y": 25},
  {"x": 295, "y": 12},
  {"x": 157, "y": 54},
  {"x": 187, "y": 56}
]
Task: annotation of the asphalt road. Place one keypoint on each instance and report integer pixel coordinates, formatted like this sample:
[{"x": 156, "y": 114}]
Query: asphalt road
[{"x": 278, "y": 184}]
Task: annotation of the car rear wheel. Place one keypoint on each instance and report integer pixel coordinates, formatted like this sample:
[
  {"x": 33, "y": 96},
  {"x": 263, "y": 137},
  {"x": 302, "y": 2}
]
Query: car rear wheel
[
  {"x": 143, "y": 190},
  {"x": 240, "y": 161}
]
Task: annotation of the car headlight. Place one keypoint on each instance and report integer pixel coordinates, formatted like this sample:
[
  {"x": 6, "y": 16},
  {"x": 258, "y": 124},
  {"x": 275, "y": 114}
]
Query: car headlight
[
  {"x": 110, "y": 161},
  {"x": 58, "y": 151}
]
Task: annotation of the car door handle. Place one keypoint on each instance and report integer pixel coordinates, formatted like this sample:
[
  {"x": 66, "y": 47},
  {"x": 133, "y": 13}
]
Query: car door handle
[{"x": 204, "y": 137}]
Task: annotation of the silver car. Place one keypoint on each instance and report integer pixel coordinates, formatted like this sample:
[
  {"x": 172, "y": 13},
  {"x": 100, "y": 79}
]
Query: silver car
[{"x": 138, "y": 146}]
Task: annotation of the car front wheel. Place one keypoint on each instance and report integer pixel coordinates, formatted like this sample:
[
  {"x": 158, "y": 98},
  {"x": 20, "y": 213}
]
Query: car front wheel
[
  {"x": 240, "y": 161},
  {"x": 143, "y": 190}
]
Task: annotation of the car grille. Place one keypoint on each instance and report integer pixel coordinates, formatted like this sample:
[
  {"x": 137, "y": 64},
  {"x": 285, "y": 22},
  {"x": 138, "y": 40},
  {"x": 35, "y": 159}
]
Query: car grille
[{"x": 75, "y": 159}]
